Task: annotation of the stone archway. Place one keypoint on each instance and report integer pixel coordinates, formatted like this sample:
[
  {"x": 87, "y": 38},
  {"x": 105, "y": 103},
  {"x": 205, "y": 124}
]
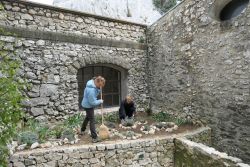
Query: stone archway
[
  {"x": 90, "y": 60},
  {"x": 115, "y": 64}
]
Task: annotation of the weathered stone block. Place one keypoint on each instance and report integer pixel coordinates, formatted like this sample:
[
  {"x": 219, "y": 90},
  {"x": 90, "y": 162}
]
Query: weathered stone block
[
  {"x": 37, "y": 111},
  {"x": 48, "y": 90}
]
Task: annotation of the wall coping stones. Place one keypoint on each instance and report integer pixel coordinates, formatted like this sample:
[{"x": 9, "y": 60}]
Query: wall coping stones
[
  {"x": 71, "y": 38},
  {"x": 211, "y": 152},
  {"x": 109, "y": 145},
  {"x": 60, "y": 9}
]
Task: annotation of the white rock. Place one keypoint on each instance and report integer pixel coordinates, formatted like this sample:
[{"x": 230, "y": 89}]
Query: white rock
[
  {"x": 61, "y": 16},
  {"x": 27, "y": 17},
  {"x": 40, "y": 42},
  {"x": 46, "y": 145},
  {"x": 169, "y": 130},
  {"x": 79, "y": 20},
  {"x": 21, "y": 147},
  {"x": 66, "y": 141},
  {"x": 77, "y": 140},
  {"x": 13, "y": 145},
  {"x": 175, "y": 127},
  {"x": 152, "y": 131},
  {"x": 34, "y": 145},
  {"x": 55, "y": 144}
]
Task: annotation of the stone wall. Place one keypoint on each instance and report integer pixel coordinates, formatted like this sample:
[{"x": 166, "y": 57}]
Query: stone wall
[
  {"x": 53, "y": 44},
  {"x": 141, "y": 152},
  {"x": 191, "y": 154},
  {"x": 47, "y": 18},
  {"x": 51, "y": 70},
  {"x": 199, "y": 69}
]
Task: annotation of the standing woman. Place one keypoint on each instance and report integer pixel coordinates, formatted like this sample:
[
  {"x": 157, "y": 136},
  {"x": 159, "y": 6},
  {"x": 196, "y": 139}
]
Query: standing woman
[{"x": 89, "y": 102}]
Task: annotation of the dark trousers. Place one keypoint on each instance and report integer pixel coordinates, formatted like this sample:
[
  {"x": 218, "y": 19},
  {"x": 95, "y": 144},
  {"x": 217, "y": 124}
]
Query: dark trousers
[
  {"x": 128, "y": 113},
  {"x": 90, "y": 117}
]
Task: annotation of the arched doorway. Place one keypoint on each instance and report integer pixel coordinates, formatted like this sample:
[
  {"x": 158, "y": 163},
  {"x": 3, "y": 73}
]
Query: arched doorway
[{"x": 114, "y": 88}]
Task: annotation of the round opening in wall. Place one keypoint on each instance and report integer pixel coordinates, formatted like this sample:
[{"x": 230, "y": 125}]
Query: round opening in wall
[{"x": 233, "y": 9}]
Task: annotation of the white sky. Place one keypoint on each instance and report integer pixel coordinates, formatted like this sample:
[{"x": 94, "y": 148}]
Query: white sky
[{"x": 49, "y": 2}]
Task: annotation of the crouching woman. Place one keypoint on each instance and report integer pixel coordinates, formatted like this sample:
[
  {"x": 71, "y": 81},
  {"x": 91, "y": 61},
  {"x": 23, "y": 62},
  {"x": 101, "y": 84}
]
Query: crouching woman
[
  {"x": 89, "y": 102},
  {"x": 127, "y": 109}
]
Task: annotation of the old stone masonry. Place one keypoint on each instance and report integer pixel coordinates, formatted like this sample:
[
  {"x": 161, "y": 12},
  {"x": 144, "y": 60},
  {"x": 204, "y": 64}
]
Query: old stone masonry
[{"x": 192, "y": 63}]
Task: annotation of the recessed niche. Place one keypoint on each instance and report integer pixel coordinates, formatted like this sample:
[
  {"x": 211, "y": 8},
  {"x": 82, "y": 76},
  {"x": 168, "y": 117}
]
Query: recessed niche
[
  {"x": 233, "y": 9},
  {"x": 223, "y": 10}
]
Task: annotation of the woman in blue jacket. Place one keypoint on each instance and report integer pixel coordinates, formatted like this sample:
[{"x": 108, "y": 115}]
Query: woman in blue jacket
[{"x": 89, "y": 102}]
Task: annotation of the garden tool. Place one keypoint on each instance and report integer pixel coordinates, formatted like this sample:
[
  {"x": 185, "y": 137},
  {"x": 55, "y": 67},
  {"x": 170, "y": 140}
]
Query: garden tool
[{"x": 104, "y": 131}]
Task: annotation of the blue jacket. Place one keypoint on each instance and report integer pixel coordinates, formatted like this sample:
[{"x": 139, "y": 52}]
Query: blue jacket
[{"x": 90, "y": 95}]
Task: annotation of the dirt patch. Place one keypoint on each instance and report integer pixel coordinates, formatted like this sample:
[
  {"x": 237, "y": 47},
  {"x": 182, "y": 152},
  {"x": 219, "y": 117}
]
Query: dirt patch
[{"x": 86, "y": 139}]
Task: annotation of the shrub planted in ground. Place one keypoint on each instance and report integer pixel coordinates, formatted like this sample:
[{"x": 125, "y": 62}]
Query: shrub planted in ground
[
  {"x": 149, "y": 111},
  {"x": 43, "y": 133},
  {"x": 31, "y": 125},
  {"x": 28, "y": 137},
  {"x": 56, "y": 131},
  {"x": 162, "y": 117},
  {"x": 69, "y": 134},
  {"x": 113, "y": 117},
  {"x": 74, "y": 121}
]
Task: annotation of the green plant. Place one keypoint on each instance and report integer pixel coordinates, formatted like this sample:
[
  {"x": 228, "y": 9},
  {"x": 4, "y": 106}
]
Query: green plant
[
  {"x": 73, "y": 121},
  {"x": 27, "y": 137},
  {"x": 164, "y": 5},
  {"x": 43, "y": 133},
  {"x": 149, "y": 111},
  {"x": 146, "y": 128},
  {"x": 141, "y": 39},
  {"x": 32, "y": 125},
  {"x": 162, "y": 117},
  {"x": 69, "y": 134},
  {"x": 98, "y": 119},
  {"x": 181, "y": 121},
  {"x": 1, "y": 7},
  {"x": 56, "y": 131},
  {"x": 11, "y": 88},
  {"x": 111, "y": 118},
  {"x": 130, "y": 134}
]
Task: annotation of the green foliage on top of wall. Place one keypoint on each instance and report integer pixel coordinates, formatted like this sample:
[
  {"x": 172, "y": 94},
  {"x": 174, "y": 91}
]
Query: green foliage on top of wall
[{"x": 164, "y": 5}]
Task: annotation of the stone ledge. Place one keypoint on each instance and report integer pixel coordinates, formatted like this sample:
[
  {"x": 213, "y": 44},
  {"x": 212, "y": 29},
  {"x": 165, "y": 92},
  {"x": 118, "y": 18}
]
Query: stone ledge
[
  {"x": 198, "y": 154},
  {"x": 108, "y": 144},
  {"x": 156, "y": 151},
  {"x": 71, "y": 38},
  {"x": 60, "y": 9}
]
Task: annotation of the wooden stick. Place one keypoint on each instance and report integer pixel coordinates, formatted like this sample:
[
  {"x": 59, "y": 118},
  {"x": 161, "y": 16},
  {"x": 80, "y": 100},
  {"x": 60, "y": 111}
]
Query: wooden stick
[{"x": 102, "y": 107}]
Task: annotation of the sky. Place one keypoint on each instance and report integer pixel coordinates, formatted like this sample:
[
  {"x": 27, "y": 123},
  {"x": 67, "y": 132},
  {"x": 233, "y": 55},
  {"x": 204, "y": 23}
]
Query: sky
[{"x": 49, "y": 2}]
